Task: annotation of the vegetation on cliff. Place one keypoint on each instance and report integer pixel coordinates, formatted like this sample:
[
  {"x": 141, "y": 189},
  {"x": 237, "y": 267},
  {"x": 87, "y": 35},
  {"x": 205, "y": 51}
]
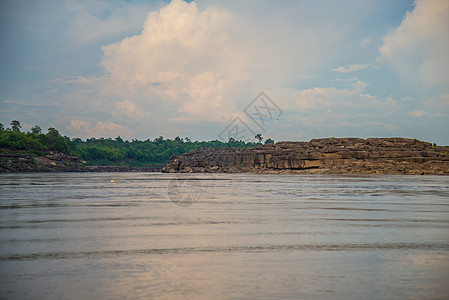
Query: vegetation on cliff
[{"x": 103, "y": 151}]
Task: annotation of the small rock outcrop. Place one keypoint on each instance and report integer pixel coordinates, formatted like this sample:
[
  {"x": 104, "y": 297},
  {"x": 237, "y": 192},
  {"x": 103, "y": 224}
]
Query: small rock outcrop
[
  {"x": 321, "y": 156},
  {"x": 58, "y": 162},
  {"x": 51, "y": 162}
]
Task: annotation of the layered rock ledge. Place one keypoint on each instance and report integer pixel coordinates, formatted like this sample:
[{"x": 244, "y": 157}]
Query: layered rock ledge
[
  {"x": 51, "y": 162},
  {"x": 321, "y": 156},
  {"x": 58, "y": 162}
]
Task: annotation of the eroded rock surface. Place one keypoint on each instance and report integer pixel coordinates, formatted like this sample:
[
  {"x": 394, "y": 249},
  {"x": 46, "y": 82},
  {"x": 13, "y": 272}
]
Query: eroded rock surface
[
  {"x": 58, "y": 162},
  {"x": 51, "y": 162},
  {"x": 321, "y": 156}
]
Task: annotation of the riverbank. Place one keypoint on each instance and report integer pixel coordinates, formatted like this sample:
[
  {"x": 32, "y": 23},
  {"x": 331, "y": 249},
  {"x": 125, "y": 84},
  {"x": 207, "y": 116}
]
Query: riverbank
[
  {"x": 58, "y": 162},
  {"x": 320, "y": 156}
]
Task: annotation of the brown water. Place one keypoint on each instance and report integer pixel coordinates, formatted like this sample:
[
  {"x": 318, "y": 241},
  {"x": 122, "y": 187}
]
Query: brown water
[{"x": 232, "y": 236}]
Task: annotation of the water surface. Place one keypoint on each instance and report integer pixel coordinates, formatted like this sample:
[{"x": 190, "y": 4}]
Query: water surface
[{"x": 223, "y": 236}]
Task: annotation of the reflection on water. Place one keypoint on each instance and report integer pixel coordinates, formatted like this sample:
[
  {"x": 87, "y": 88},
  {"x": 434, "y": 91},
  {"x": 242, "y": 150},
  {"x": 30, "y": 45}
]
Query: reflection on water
[{"x": 226, "y": 236}]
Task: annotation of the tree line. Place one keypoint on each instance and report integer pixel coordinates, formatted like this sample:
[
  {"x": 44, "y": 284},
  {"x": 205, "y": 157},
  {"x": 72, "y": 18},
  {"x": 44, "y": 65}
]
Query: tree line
[{"x": 107, "y": 151}]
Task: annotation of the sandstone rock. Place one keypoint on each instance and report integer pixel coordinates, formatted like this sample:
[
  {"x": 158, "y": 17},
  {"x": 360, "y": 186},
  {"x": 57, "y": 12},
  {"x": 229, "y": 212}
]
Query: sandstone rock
[
  {"x": 51, "y": 162},
  {"x": 57, "y": 162},
  {"x": 321, "y": 156}
]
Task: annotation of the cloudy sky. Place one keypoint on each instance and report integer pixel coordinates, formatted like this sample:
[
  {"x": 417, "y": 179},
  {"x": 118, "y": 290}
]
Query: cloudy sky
[{"x": 142, "y": 69}]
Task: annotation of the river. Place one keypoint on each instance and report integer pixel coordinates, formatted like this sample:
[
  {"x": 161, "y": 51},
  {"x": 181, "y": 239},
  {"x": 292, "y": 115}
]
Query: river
[{"x": 223, "y": 236}]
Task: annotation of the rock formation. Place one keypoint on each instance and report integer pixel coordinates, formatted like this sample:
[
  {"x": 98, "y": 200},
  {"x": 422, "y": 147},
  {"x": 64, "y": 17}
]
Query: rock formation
[
  {"x": 321, "y": 156},
  {"x": 51, "y": 162},
  {"x": 58, "y": 162}
]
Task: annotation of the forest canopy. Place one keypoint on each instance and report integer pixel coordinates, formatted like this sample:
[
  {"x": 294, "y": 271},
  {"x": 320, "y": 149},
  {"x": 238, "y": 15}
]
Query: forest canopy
[{"x": 106, "y": 151}]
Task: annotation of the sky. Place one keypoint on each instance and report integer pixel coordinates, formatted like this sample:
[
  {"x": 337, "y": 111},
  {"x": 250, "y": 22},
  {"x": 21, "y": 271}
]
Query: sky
[{"x": 289, "y": 70}]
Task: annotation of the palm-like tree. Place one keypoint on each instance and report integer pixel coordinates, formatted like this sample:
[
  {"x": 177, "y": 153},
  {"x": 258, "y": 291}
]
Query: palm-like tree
[{"x": 259, "y": 137}]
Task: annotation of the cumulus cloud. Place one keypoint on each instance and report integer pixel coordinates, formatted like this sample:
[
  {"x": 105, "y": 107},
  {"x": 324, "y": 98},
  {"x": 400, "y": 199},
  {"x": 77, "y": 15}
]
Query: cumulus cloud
[
  {"x": 126, "y": 106},
  {"x": 84, "y": 129},
  {"x": 324, "y": 107},
  {"x": 182, "y": 56},
  {"x": 207, "y": 63},
  {"x": 351, "y": 68},
  {"x": 350, "y": 101},
  {"x": 97, "y": 20},
  {"x": 418, "y": 49},
  {"x": 195, "y": 66},
  {"x": 129, "y": 108}
]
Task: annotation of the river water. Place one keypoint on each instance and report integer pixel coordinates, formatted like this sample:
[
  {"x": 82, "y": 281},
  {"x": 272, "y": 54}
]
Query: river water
[{"x": 223, "y": 236}]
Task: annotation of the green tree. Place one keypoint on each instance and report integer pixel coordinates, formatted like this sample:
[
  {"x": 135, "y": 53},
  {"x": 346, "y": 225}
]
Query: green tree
[
  {"x": 108, "y": 151},
  {"x": 269, "y": 141},
  {"x": 119, "y": 139},
  {"x": 15, "y": 125},
  {"x": 259, "y": 137},
  {"x": 56, "y": 141},
  {"x": 52, "y": 132},
  {"x": 36, "y": 129},
  {"x": 2, "y": 128},
  {"x": 159, "y": 140}
]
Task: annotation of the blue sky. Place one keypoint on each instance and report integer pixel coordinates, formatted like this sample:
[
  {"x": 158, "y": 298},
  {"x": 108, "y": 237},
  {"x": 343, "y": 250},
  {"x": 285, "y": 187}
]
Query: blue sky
[{"x": 141, "y": 69}]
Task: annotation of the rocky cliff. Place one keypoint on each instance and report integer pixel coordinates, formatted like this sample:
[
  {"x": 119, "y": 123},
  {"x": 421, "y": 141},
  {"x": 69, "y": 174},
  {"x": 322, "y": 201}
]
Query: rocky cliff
[{"x": 321, "y": 156}]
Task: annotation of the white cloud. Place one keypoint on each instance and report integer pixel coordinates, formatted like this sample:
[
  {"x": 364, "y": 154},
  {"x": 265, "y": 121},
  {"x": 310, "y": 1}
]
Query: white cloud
[
  {"x": 101, "y": 129},
  {"x": 346, "y": 79},
  {"x": 332, "y": 111},
  {"x": 418, "y": 49},
  {"x": 390, "y": 100},
  {"x": 183, "y": 56},
  {"x": 406, "y": 98},
  {"x": 197, "y": 63},
  {"x": 337, "y": 103},
  {"x": 416, "y": 113},
  {"x": 207, "y": 63},
  {"x": 126, "y": 106},
  {"x": 97, "y": 20},
  {"x": 309, "y": 76},
  {"x": 71, "y": 79},
  {"x": 193, "y": 67},
  {"x": 351, "y": 68}
]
